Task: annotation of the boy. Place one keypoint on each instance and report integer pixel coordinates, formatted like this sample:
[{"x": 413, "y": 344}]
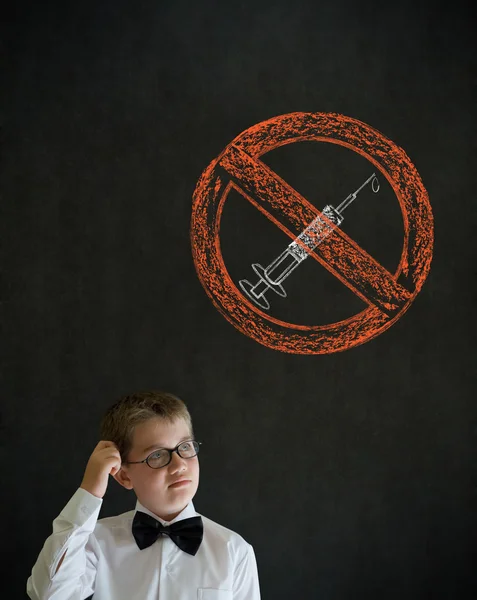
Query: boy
[{"x": 148, "y": 446}]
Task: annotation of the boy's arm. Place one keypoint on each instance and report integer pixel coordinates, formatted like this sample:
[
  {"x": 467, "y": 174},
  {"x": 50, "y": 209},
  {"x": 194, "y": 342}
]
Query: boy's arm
[
  {"x": 246, "y": 584},
  {"x": 66, "y": 566}
]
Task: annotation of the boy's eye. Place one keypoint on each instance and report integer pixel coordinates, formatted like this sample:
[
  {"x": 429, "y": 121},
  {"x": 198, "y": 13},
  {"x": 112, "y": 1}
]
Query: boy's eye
[
  {"x": 185, "y": 447},
  {"x": 158, "y": 454}
]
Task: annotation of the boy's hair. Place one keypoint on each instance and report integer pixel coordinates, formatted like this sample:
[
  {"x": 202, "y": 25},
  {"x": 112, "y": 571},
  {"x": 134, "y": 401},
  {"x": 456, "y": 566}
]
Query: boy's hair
[{"x": 119, "y": 421}]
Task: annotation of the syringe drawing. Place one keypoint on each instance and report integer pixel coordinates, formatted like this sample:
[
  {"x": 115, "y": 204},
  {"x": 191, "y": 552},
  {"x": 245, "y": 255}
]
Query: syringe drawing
[{"x": 273, "y": 276}]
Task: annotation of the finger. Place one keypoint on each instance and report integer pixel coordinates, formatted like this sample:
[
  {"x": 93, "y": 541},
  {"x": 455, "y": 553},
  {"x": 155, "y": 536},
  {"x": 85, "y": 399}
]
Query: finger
[
  {"x": 109, "y": 451},
  {"x": 111, "y": 458},
  {"x": 106, "y": 444},
  {"x": 101, "y": 445},
  {"x": 115, "y": 468}
]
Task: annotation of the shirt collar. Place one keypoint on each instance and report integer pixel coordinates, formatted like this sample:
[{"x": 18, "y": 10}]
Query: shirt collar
[{"x": 187, "y": 512}]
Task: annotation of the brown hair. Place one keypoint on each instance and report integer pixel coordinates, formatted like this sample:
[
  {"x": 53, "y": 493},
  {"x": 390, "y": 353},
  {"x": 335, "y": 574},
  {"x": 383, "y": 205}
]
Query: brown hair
[{"x": 119, "y": 421}]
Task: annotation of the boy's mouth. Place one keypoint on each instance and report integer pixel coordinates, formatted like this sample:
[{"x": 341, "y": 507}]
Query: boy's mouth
[{"x": 180, "y": 483}]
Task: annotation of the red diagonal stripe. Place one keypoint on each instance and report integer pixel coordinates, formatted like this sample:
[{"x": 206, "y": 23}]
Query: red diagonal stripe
[{"x": 338, "y": 253}]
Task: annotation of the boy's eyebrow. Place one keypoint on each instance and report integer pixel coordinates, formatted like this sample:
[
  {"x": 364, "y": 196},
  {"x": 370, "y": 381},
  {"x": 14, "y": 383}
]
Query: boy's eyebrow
[{"x": 187, "y": 437}]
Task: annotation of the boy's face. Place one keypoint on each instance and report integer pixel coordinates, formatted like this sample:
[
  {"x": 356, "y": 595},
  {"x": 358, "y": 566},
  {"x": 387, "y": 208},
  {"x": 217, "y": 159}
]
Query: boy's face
[{"x": 153, "y": 486}]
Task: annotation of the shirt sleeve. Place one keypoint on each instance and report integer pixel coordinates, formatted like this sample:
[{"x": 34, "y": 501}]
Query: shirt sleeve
[
  {"x": 246, "y": 585},
  {"x": 72, "y": 531}
]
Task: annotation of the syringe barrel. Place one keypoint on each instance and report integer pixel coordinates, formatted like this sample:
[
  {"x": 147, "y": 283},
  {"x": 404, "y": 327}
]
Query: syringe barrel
[
  {"x": 333, "y": 215},
  {"x": 280, "y": 268},
  {"x": 316, "y": 232}
]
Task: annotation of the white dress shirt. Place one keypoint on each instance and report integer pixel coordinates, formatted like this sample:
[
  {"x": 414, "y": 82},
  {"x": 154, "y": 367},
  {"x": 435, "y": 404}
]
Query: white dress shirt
[{"x": 103, "y": 559}]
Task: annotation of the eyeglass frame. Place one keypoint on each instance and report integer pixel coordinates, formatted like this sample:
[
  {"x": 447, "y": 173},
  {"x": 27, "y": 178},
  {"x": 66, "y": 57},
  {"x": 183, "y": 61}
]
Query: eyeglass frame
[{"x": 176, "y": 449}]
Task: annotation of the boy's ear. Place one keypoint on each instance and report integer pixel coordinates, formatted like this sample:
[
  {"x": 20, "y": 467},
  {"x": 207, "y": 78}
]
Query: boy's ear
[{"x": 122, "y": 478}]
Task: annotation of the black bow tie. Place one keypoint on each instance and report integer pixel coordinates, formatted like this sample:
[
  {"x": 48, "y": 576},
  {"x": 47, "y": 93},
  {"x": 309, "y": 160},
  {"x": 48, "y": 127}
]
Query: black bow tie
[{"x": 187, "y": 534}]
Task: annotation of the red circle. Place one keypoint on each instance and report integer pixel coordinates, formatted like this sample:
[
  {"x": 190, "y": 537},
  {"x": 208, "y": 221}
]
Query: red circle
[{"x": 211, "y": 192}]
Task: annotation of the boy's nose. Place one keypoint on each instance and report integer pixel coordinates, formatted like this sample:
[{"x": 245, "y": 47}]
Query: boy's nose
[{"x": 177, "y": 463}]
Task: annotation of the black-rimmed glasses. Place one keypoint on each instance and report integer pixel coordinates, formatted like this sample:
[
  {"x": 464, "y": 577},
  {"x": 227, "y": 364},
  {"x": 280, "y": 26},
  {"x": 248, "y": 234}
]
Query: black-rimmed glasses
[{"x": 162, "y": 457}]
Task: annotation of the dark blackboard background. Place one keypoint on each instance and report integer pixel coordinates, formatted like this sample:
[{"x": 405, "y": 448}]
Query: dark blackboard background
[{"x": 111, "y": 110}]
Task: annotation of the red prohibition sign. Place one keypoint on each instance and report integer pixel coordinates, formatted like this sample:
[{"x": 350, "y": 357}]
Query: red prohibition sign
[{"x": 239, "y": 166}]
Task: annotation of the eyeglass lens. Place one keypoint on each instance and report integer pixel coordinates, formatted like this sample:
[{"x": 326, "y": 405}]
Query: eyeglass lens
[{"x": 160, "y": 458}]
